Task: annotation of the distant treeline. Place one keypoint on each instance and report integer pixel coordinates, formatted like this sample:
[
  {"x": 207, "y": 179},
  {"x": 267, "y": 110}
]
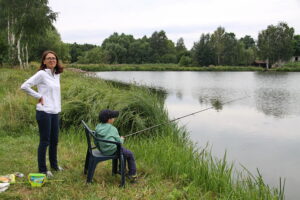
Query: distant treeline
[
  {"x": 275, "y": 44},
  {"x": 27, "y": 30}
]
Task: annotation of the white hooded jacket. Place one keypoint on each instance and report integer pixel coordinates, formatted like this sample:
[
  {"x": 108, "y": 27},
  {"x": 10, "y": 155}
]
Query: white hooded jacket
[{"x": 48, "y": 86}]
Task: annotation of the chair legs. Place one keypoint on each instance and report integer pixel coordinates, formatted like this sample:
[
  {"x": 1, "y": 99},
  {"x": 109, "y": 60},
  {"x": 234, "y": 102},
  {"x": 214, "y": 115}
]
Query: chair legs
[
  {"x": 91, "y": 171},
  {"x": 122, "y": 169},
  {"x": 114, "y": 166},
  {"x": 86, "y": 165},
  {"x": 90, "y": 166}
]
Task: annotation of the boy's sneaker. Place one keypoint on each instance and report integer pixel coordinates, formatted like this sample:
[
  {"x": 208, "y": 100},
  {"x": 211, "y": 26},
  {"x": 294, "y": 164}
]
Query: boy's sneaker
[{"x": 132, "y": 178}]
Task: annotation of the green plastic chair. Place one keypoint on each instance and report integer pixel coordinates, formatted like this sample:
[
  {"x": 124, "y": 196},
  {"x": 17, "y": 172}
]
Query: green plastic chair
[{"x": 94, "y": 156}]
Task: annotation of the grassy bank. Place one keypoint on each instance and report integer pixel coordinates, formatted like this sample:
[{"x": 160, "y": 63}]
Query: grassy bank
[
  {"x": 289, "y": 67},
  {"x": 158, "y": 67},
  {"x": 169, "y": 165}
]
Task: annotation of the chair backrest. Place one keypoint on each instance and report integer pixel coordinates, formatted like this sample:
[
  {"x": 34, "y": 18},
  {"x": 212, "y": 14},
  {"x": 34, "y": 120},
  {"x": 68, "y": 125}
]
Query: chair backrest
[{"x": 88, "y": 133}]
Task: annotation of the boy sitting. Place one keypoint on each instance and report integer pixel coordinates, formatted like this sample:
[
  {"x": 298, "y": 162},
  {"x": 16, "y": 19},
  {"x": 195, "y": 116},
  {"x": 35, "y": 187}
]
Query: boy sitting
[{"x": 105, "y": 130}]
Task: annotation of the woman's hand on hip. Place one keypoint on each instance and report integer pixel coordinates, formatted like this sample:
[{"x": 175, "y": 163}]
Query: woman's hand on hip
[{"x": 41, "y": 101}]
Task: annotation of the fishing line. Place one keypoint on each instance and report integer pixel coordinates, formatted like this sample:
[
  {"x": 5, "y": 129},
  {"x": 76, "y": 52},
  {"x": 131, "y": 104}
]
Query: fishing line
[{"x": 154, "y": 126}]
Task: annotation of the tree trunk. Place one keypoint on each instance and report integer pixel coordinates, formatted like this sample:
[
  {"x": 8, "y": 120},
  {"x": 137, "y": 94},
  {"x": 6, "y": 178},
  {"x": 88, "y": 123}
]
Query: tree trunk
[
  {"x": 23, "y": 56},
  {"x": 26, "y": 54},
  {"x": 11, "y": 40},
  {"x": 8, "y": 35},
  {"x": 19, "y": 53}
]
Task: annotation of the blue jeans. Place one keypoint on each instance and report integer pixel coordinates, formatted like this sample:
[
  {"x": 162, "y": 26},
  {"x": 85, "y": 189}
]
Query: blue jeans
[
  {"x": 129, "y": 158},
  {"x": 48, "y": 130}
]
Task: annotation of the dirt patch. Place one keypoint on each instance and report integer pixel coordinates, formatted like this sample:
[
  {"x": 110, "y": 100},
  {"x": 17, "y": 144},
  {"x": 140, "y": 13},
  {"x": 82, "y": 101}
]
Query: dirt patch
[{"x": 75, "y": 70}]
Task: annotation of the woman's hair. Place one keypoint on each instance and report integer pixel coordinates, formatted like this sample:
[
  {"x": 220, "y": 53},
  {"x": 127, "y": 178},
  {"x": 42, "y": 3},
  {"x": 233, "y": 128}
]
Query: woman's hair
[{"x": 57, "y": 69}]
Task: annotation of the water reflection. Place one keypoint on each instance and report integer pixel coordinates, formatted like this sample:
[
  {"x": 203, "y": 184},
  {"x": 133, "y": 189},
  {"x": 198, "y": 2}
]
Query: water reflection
[
  {"x": 215, "y": 102},
  {"x": 179, "y": 95},
  {"x": 274, "y": 102},
  {"x": 277, "y": 94}
]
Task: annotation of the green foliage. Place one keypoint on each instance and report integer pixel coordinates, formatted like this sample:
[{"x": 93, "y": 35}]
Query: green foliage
[
  {"x": 117, "y": 47},
  {"x": 229, "y": 56},
  {"x": 245, "y": 56},
  {"x": 125, "y": 49},
  {"x": 161, "y": 48},
  {"x": 222, "y": 48},
  {"x": 77, "y": 50},
  {"x": 168, "y": 58},
  {"x": 181, "y": 50},
  {"x": 25, "y": 20},
  {"x": 95, "y": 55},
  {"x": 3, "y": 48},
  {"x": 297, "y": 45},
  {"x": 202, "y": 51},
  {"x": 217, "y": 41},
  {"x": 248, "y": 41},
  {"x": 185, "y": 61},
  {"x": 51, "y": 40},
  {"x": 139, "y": 51},
  {"x": 276, "y": 43}
]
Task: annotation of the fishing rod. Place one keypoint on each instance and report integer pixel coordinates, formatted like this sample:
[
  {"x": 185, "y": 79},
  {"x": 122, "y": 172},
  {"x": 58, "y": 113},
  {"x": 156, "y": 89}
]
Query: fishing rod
[{"x": 154, "y": 126}]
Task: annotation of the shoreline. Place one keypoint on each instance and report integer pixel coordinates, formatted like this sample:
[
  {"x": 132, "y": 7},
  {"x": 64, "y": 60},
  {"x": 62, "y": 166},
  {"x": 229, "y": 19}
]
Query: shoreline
[{"x": 173, "y": 67}]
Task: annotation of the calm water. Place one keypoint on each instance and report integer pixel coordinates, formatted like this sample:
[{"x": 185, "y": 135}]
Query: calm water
[{"x": 261, "y": 131}]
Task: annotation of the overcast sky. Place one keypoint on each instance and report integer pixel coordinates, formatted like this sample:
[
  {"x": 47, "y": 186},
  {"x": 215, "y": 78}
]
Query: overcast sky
[{"x": 91, "y": 21}]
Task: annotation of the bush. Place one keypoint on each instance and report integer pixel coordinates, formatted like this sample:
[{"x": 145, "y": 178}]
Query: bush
[
  {"x": 185, "y": 61},
  {"x": 168, "y": 58}
]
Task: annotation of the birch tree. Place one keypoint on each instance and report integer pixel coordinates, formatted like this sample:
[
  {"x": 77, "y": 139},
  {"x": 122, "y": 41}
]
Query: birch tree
[
  {"x": 24, "y": 21},
  {"x": 275, "y": 44},
  {"x": 217, "y": 40}
]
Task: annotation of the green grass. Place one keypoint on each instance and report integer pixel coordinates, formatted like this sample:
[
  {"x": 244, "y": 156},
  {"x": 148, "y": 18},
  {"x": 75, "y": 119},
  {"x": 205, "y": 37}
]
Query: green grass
[
  {"x": 289, "y": 67},
  {"x": 293, "y": 64},
  {"x": 169, "y": 165}
]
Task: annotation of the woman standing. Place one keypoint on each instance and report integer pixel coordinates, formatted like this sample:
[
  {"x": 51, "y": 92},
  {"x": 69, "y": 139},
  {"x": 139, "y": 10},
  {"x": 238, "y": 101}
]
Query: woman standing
[{"x": 47, "y": 80}]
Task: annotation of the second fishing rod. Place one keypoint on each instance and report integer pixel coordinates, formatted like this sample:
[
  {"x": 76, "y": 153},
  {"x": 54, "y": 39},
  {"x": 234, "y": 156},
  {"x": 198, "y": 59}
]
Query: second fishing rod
[{"x": 190, "y": 114}]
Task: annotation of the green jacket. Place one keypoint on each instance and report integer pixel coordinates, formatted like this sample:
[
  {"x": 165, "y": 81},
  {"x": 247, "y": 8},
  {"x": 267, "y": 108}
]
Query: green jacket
[{"x": 107, "y": 131}]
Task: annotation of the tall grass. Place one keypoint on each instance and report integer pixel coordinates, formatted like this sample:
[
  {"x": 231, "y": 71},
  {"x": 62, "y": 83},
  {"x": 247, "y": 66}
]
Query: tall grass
[
  {"x": 170, "y": 165},
  {"x": 293, "y": 64}
]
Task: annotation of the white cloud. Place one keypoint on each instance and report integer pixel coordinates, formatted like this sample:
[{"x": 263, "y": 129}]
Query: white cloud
[{"x": 92, "y": 21}]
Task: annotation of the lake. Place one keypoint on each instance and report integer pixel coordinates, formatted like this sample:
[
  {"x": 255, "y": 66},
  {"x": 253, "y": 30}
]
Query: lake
[{"x": 260, "y": 131}]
